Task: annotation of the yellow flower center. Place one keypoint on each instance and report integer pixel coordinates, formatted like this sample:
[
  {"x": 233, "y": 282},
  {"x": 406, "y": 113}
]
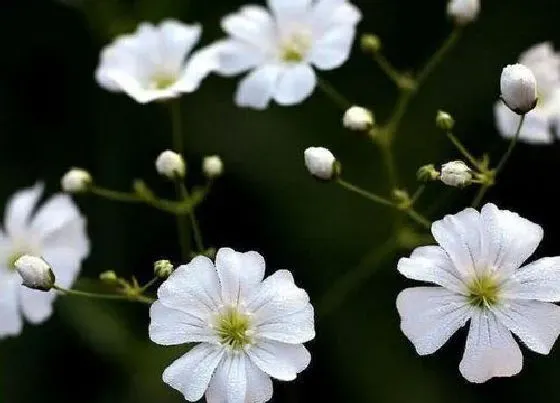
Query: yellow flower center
[
  {"x": 295, "y": 47},
  {"x": 162, "y": 81},
  {"x": 483, "y": 291},
  {"x": 233, "y": 328}
]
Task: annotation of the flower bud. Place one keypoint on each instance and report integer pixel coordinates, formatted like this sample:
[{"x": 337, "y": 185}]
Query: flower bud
[
  {"x": 358, "y": 118},
  {"x": 519, "y": 88},
  {"x": 444, "y": 121},
  {"x": 76, "y": 180},
  {"x": 212, "y": 166},
  {"x": 463, "y": 11},
  {"x": 163, "y": 268},
  {"x": 35, "y": 272},
  {"x": 370, "y": 43},
  {"x": 170, "y": 164},
  {"x": 456, "y": 173},
  {"x": 321, "y": 163},
  {"x": 109, "y": 277},
  {"x": 427, "y": 173}
]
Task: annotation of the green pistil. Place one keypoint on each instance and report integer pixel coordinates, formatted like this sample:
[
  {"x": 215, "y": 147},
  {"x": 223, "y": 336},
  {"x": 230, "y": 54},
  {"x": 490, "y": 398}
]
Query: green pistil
[
  {"x": 232, "y": 328},
  {"x": 483, "y": 291}
]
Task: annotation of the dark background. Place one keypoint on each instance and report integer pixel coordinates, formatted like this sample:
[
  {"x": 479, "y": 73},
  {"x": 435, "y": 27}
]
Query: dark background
[{"x": 53, "y": 116}]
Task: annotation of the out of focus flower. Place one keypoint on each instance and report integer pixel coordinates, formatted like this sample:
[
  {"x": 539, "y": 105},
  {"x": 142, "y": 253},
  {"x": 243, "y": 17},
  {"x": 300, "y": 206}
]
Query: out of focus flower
[
  {"x": 280, "y": 47},
  {"x": 479, "y": 277},
  {"x": 170, "y": 164},
  {"x": 538, "y": 127},
  {"x": 247, "y": 329},
  {"x": 358, "y": 118},
  {"x": 76, "y": 180},
  {"x": 463, "y": 11},
  {"x": 56, "y": 231},
  {"x": 518, "y": 87},
  {"x": 153, "y": 63},
  {"x": 212, "y": 166},
  {"x": 320, "y": 162},
  {"x": 456, "y": 173}
]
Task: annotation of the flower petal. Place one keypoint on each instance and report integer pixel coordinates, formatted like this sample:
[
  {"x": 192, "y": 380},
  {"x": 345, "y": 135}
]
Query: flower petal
[
  {"x": 191, "y": 373},
  {"x": 294, "y": 328},
  {"x": 536, "y": 129},
  {"x": 229, "y": 382},
  {"x": 193, "y": 289},
  {"x": 490, "y": 350},
  {"x": 239, "y": 273},
  {"x": 333, "y": 48},
  {"x": 536, "y": 323},
  {"x": 36, "y": 306},
  {"x": 432, "y": 264},
  {"x": 256, "y": 90},
  {"x": 66, "y": 261},
  {"x": 170, "y": 327},
  {"x": 11, "y": 323},
  {"x": 252, "y": 25},
  {"x": 280, "y": 360},
  {"x": 234, "y": 57},
  {"x": 19, "y": 210},
  {"x": 289, "y": 10},
  {"x": 295, "y": 84},
  {"x": 329, "y": 13},
  {"x": 259, "y": 384},
  {"x": 539, "y": 280},
  {"x": 430, "y": 316},
  {"x": 176, "y": 42},
  {"x": 197, "y": 68}
]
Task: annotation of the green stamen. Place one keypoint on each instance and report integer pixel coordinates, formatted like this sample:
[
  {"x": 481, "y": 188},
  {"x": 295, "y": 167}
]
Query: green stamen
[
  {"x": 483, "y": 291},
  {"x": 233, "y": 328}
]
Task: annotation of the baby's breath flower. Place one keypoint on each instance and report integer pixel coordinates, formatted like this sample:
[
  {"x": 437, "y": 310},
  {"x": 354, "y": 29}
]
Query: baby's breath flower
[
  {"x": 519, "y": 88},
  {"x": 76, "y": 180},
  {"x": 170, "y": 164},
  {"x": 456, "y": 173},
  {"x": 463, "y": 11},
  {"x": 358, "y": 118},
  {"x": 212, "y": 166},
  {"x": 320, "y": 162}
]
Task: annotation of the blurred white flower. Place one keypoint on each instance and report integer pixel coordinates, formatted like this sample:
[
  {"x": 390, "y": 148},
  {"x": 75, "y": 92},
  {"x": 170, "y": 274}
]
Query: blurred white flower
[
  {"x": 478, "y": 273},
  {"x": 463, "y": 11},
  {"x": 357, "y": 118},
  {"x": 539, "y": 124},
  {"x": 280, "y": 47},
  {"x": 212, "y": 166},
  {"x": 320, "y": 162},
  {"x": 247, "y": 329},
  {"x": 76, "y": 180},
  {"x": 153, "y": 64},
  {"x": 170, "y": 164},
  {"x": 54, "y": 230},
  {"x": 518, "y": 87},
  {"x": 456, "y": 173}
]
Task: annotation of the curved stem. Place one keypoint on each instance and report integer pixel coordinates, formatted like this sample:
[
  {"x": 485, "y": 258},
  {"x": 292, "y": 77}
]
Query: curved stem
[
  {"x": 388, "y": 68},
  {"x": 333, "y": 94},
  {"x": 84, "y": 294},
  {"x": 115, "y": 195},
  {"x": 419, "y": 218},
  {"x": 364, "y": 193},
  {"x": 512, "y": 145},
  {"x": 459, "y": 146},
  {"x": 437, "y": 57}
]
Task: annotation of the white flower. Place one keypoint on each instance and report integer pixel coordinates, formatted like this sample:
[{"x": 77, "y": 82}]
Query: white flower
[
  {"x": 54, "y": 230},
  {"x": 247, "y": 329},
  {"x": 280, "y": 47},
  {"x": 463, "y": 11},
  {"x": 357, "y": 118},
  {"x": 537, "y": 128},
  {"x": 479, "y": 276},
  {"x": 151, "y": 64},
  {"x": 320, "y": 162},
  {"x": 170, "y": 164},
  {"x": 212, "y": 166},
  {"x": 456, "y": 173},
  {"x": 35, "y": 272},
  {"x": 76, "y": 180},
  {"x": 518, "y": 86}
]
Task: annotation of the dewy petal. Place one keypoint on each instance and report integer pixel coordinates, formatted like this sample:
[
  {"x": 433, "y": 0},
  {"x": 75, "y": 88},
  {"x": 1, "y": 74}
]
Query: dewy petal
[
  {"x": 169, "y": 326},
  {"x": 536, "y": 323},
  {"x": 259, "y": 384},
  {"x": 295, "y": 84},
  {"x": 191, "y": 373},
  {"x": 430, "y": 316},
  {"x": 536, "y": 129},
  {"x": 36, "y": 306},
  {"x": 432, "y": 264},
  {"x": 539, "y": 280},
  {"x": 490, "y": 350},
  {"x": 295, "y": 328},
  {"x": 256, "y": 90},
  {"x": 19, "y": 210},
  {"x": 333, "y": 48},
  {"x": 512, "y": 239},
  {"x": 280, "y": 360},
  {"x": 11, "y": 322},
  {"x": 229, "y": 382},
  {"x": 239, "y": 273},
  {"x": 193, "y": 289}
]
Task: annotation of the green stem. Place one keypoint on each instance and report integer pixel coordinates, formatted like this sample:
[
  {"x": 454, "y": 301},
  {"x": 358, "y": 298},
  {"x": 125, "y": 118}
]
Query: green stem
[
  {"x": 419, "y": 218},
  {"x": 149, "y": 284},
  {"x": 512, "y": 145},
  {"x": 390, "y": 165},
  {"x": 364, "y": 193},
  {"x": 130, "y": 298},
  {"x": 459, "y": 146},
  {"x": 388, "y": 68},
  {"x": 115, "y": 195},
  {"x": 437, "y": 57},
  {"x": 176, "y": 126},
  {"x": 480, "y": 195},
  {"x": 333, "y": 94}
]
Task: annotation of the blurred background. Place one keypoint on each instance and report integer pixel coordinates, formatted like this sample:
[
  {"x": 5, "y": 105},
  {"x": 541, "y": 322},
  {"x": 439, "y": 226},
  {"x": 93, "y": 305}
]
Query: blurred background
[{"x": 53, "y": 116}]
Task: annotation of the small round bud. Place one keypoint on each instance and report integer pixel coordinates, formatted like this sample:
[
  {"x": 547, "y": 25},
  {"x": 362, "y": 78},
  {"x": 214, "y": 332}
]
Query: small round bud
[
  {"x": 321, "y": 163},
  {"x": 35, "y": 272},
  {"x": 401, "y": 198},
  {"x": 109, "y": 277},
  {"x": 170, "y": 164},
  {"x": 427, "y": 173},
  {"x": 444, "y": 121},
  {"x": 463, "y": 11},
  {"x": 163, "y": 268},
  {"x": 212, "y": 166},
  {"x": 370, "y": 43},
  {"x": 358, "y": 118},
  {"x": 456, "y": 173},
  {"x": 76, "y": 180},
  {"x": 519, "y": 88}
]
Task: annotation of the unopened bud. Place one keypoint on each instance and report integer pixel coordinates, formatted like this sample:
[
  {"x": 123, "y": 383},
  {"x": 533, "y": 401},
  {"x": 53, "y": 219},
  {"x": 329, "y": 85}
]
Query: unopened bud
[
  {"x": 170, "y": 164},
  {"x": 456, "y": 173},
  {"x": 321, "y": 163},
  {"x": 463, "y": 11},
  {"x": 444, "y": 121},
  {"x": 109, "y": 277},
  {"x": 427, "y": 173},
  {"x": 36, "y": 273},
  {"x": 76, "y": 180},
  {"x": 212, "y": 166},
  {"x": 358, "y": 118},
  {"x": 370, "y": 43},
  {"x": 163, "y": 268},
  {"x": 519, "y": 88}
]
